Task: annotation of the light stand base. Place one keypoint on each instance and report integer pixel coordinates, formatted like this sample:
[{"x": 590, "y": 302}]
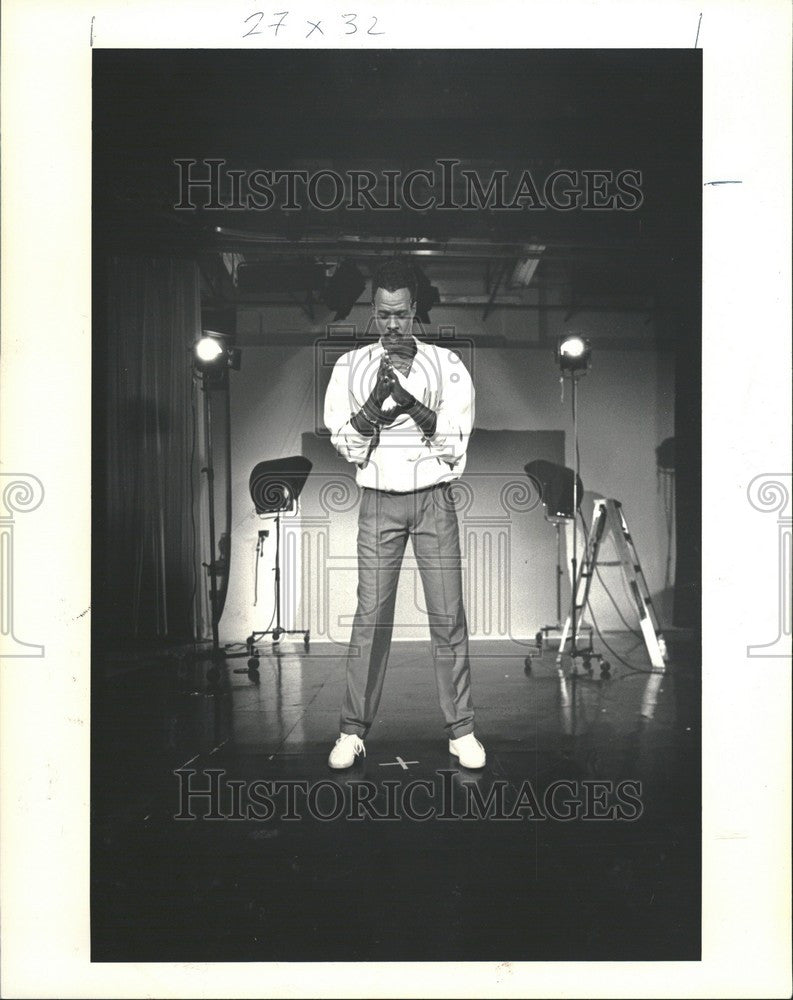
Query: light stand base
[
  {"x": 277, "y": 632},
  {"x": 253, "y": 653},
  {"x": 540, "y": 643},
  {"x": 541, "y": 636},
  {"x": 587, "y": 654}
]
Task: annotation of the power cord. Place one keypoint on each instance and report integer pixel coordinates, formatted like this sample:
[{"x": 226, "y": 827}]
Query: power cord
[
  {"x": 603, "y": 584},
  {"x": 259, "y": 549},
  {"x": 244, "y": 645},
  {"x": 625, "y": 663},
  {"x": 630, "y": 666},
  {"x": 613, "y": 652}
]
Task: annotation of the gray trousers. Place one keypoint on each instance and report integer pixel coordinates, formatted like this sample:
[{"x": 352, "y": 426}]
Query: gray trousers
[{"x": 385, "y": 520}]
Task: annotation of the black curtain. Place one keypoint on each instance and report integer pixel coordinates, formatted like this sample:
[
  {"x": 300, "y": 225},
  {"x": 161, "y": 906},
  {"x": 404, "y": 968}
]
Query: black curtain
[{"x": 146, "y": 531}]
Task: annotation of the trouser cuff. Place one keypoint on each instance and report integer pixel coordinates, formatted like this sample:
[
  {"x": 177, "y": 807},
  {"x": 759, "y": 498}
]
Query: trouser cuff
[
  {"x": 350, "y": 730},
  {"x": 455, "y": 732}
]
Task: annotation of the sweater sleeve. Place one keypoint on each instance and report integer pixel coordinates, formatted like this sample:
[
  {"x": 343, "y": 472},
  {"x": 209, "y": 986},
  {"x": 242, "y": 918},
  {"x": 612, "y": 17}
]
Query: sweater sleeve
[
  {"x": 350, "y": 444},
  {"x": 455, "y": 413}
]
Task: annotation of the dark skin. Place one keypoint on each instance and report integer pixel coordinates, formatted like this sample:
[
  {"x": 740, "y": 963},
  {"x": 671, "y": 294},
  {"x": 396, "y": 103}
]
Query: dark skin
[{"x": 393, "y": 316}]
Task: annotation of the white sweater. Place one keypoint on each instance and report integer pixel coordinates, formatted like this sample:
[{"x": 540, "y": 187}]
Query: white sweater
[{"x": 401, "y": 459}]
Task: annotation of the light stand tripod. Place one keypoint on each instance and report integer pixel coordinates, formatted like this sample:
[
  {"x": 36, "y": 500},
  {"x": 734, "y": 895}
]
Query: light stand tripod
[
  {"x": 574, "y": 376},
  {"x": 213, "y": 379},
  {"x": 277, "y": 631},
  {"x": 574, "y": 355},
  {"x": 559, "y": 574},
  {"x": 212, "y": 358},
  {"x": 275, "y": 489},
  {"x": 559, "y": 488}
]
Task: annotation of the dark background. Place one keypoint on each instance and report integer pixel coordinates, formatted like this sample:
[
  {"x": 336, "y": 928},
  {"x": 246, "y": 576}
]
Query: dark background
[{"x": 159, "y": 275}]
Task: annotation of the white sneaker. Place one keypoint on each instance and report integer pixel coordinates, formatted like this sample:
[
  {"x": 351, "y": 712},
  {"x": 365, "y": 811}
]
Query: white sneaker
[
  {"x": 345, "y": 750},
  {"x": 469, "y": 751}
]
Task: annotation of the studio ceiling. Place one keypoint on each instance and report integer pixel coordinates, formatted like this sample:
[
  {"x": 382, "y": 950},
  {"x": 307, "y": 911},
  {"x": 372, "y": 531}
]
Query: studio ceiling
[
  {"x": 512, "y": 110},
  {"x": 403, "y": 110}
]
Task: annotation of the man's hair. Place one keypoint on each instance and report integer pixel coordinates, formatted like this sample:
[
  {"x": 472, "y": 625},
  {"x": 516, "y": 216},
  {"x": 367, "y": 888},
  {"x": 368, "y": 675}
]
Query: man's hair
[{"x": 393, "y": 274}]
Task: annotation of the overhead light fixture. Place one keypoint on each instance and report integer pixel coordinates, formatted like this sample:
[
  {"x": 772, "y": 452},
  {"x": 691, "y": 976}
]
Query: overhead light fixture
[
  {"x": 297, "y": 276},
  {"x": 526, "y": 266},
  {"x": 232, "y": 262},
  {"x": 574, "y": 354},
  {"x": 427, "y": 296},
  {"x": 425, "y": 252},
  {"x": 212, "y": 353},
  {"x": 343, "y": 289}
]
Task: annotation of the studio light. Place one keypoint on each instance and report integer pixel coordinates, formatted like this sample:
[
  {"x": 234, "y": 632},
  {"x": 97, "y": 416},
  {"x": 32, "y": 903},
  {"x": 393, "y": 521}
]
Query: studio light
[
  {"x": 427, "y": 296},
  {"x": 275, "y": 489},
  {"x": 213, "y": 356},
  {"x": 574, "y": 354},
  {"x": 526, "y": 267},
  {"x": 208, "y": 349},
  {"x": 343, "y": 289},
  {"x": 213, "y": 353}
]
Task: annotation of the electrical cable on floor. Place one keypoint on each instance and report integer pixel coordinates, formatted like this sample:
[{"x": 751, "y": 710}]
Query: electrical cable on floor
[
  {"x": 616, "y": 655},
  {"x": 638, "y": 642},
  {"x": 275, "y": 606},
  {"x": 585, "y": 562},
  {"x": 244, "y": 645},
  {"x": 630, "y": 666},
  {"x": 603, "y": 584},
  {"x": 259, "y": 550},
  {"x": 256, "y": 597},
  {"x": 256, "y": 570},
  {"x": 632, "y": 630}
]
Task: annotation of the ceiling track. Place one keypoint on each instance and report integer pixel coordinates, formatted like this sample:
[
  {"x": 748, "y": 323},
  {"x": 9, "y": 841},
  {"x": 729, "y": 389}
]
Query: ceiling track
[{"x": 255, "y": 246}]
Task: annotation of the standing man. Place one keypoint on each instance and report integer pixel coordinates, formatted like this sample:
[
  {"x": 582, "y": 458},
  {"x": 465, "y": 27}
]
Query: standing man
[{"x": 403, "y": 411}]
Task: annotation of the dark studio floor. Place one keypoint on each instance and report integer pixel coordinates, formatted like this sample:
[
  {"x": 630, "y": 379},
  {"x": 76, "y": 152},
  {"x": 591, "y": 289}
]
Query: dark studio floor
[{"x": 398, "y": 889}]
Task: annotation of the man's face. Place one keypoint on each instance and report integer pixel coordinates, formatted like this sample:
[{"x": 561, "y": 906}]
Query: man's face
[{"x": 393, "y": 314}]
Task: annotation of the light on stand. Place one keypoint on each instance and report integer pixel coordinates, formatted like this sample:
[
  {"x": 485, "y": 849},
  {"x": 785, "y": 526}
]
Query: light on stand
[
  {"x": 556, "y": 489},
  {"x": 212, "y": 358},
  {"x": 574, "y": 357},
  {"x": 275, "y": 488},
  {"x": 208, "y": 349},
  {"x": 213, "y": 353}
]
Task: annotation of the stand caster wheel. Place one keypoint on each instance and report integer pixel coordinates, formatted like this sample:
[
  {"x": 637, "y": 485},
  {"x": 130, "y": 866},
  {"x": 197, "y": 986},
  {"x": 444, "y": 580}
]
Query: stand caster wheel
[
  {"x": 306, "y": 641},
  {"x": 253, "y": 663},
  {"x": 538, "y": 639},
  {"x": 527, "y": 666},
  {"x": 605, "y": 669}
]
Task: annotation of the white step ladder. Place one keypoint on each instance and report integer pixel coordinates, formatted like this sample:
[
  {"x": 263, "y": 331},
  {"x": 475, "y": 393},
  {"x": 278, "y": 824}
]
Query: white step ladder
[{"x": 607, "y": 516}]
